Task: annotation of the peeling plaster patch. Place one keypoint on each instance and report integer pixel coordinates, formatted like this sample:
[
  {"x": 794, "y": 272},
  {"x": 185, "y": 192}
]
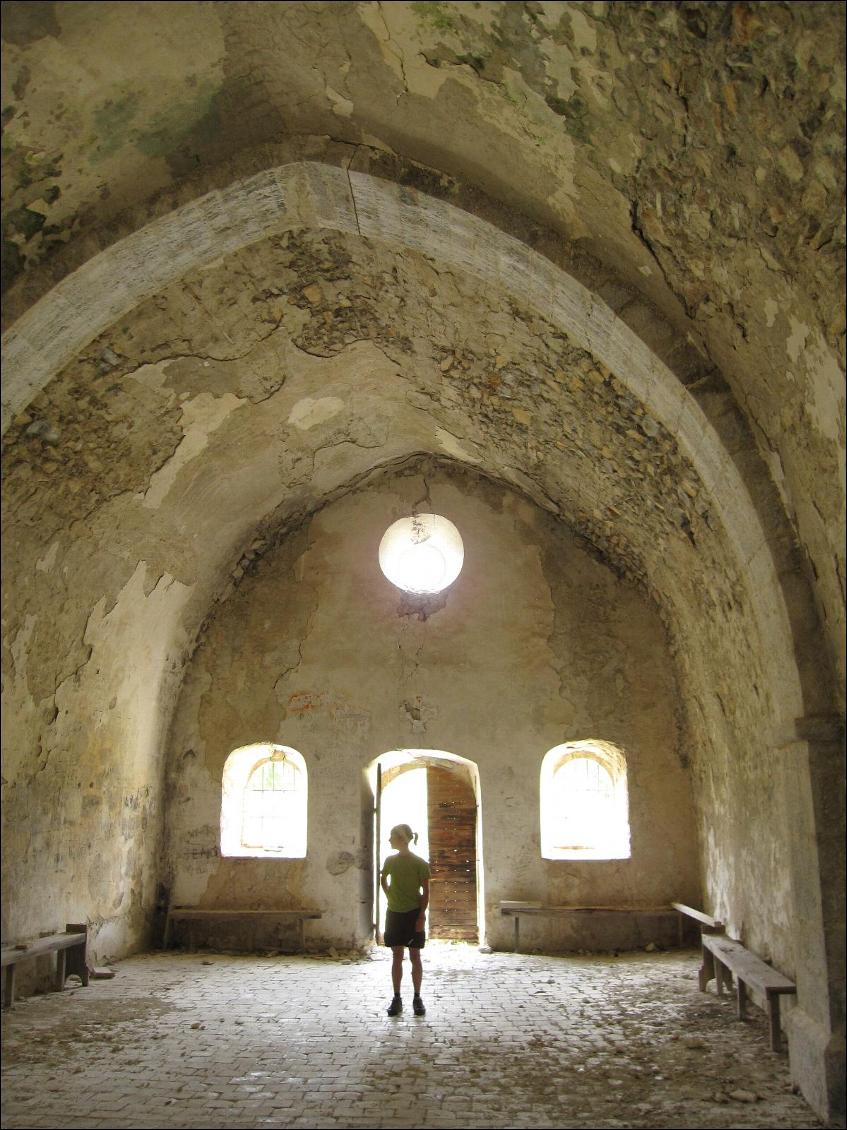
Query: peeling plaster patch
[
  {"x": 373, "y": 17},
  {"x": 560, "y": 66},
  {"x": 49, "y": 559},
  {"x": 826, "y": 407},
  {"x": 341, "y": 105},
  {"x": 797, "y": 339},
  {"x": 109, "y": 114},
  {"x": 485, "y": 16},
  {"x": 200, "y": 417},
  {"x": 594, "y": 78},
  {"x": 20, "y": 645},
  {"x": 308, "y": 413},
  {"x": 771, "y": 311},
  {"x": 151, "y": 376},
  {"x": 417, "y": 713},
  {"x": 374, "y": 142},
  {"x": 135, "y": 641},
  {"x": 391, "y": 24},
  {"x": 453, "y": 447},
  {"x": 584, "y": 33},
  {"x": 565, "y": 198},
  {"x": 339, "y": 862},
  {"x": 16, "y": 753},
  {"x": 777, "y": 474}
]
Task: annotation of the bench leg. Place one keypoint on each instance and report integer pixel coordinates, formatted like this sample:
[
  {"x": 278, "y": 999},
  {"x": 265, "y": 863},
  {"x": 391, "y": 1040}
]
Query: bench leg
[
  {"x": 517, "y": 943},
  {"x": 61, "y": 970},
  {"x": 740, "y": 997},
  {"x": 773, "y": 1021},
  {"x": 720, "y": 973},
  {"x": 166, "y": 940},
  {"x": 9, "y": 986},
  {"x": 76, "y": 963},
  {"x": 707, "y": 969},
  {"x": 723, "y": 976}
]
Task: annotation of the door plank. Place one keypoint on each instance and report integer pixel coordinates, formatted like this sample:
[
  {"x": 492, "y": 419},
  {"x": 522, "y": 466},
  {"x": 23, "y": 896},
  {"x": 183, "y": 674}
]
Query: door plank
[{"x": 452, "y": 854}]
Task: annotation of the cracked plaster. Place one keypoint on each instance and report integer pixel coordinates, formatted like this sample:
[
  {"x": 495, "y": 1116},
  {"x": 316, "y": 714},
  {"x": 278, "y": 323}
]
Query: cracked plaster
[
  {"x": 495, "y": 369},
  {"x": 458, "y": 240},
  {"x": 682, "y": 163},
  {"x": 479, "y": 673}
]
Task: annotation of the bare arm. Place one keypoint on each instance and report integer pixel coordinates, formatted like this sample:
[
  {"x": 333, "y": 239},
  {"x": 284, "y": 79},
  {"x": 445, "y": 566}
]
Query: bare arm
[{"x": 424, "y": 904}]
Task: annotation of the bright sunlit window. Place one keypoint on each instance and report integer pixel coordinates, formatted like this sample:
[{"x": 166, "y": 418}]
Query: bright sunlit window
[
  {"x": 264, "y": 803},
  {"x": 422, "y": 554},
  {"x": 584, "y": 803}
]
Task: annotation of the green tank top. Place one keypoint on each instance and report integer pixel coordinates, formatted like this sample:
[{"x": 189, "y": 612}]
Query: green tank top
[{"x": 408, "y": 873}]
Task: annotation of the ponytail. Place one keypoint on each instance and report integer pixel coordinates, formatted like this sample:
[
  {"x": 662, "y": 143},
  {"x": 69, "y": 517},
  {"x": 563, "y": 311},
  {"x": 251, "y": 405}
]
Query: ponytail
[{"x": 406, "y": 832}]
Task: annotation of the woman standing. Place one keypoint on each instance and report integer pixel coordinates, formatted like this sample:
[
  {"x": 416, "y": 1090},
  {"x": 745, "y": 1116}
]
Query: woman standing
[{"x": 405, "y": 881}]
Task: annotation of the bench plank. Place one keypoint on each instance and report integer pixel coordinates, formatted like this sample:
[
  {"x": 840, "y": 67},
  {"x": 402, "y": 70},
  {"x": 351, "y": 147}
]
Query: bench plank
[
  {"x": 196, "y": 913},
  {"x": 698, "y": 916},
  {"x": 514, "y": 909},
  {"x": 543, "y": 908},
  {"x": 13, "y": 954},
  {"x": 724, "y": 955},
  {"x": 708, "y": 925},
  {"x": 70, "y": 948},
  {"x": 747, "y": 966}
]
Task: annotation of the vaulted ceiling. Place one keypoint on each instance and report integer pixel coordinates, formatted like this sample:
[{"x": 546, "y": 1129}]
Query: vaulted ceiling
[{"x": 255, "y": 252}]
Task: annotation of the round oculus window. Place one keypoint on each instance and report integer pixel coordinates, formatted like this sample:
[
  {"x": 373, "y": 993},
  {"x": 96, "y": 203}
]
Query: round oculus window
[{"x": 422, "y": 554}]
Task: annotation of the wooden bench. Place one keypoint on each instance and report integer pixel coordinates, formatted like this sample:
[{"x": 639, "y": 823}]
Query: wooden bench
[
  {"x": 517, "y": 910},
  {"x": 707, "y": 924},
  {"x": 723, "y": 957},
  {"x": 70, "y": 948},
  {"x": 197, "y": 914}
]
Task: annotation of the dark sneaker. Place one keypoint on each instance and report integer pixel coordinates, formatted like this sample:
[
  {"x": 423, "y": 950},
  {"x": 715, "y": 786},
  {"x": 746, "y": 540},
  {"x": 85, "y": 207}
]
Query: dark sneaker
[
  {"x": 396, "y": 1007},
  {"x": 418, "y": 1007}
]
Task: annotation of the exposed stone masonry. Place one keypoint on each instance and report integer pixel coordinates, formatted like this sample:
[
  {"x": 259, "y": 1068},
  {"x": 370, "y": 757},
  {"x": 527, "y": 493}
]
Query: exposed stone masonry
[{"x": 576, "y": 267}]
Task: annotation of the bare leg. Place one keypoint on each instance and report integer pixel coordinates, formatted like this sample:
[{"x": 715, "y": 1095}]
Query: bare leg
[
  {"x": 397, "y": 968},
  {"x": 417, "y": 970}
]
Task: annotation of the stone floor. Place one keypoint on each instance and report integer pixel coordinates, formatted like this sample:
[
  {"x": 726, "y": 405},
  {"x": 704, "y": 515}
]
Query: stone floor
[{"x": 214, "y": 1040}]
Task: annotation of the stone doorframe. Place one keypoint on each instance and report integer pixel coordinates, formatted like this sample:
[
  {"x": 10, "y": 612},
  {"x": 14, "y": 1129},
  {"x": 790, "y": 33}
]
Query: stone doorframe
[{"x": 421, "y": 758}]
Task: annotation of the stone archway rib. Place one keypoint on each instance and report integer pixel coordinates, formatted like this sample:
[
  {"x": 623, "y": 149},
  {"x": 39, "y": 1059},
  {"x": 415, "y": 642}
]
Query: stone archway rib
[{"x": 312, "y": 195}]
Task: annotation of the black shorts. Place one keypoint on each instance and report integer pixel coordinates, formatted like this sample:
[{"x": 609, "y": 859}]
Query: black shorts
[{"x": 400, "y": 929}]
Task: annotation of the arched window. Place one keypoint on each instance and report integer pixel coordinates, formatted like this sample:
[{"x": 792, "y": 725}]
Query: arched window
[
  {"x": 264, "y": 803},
  {"x": 584, "y": 803}
]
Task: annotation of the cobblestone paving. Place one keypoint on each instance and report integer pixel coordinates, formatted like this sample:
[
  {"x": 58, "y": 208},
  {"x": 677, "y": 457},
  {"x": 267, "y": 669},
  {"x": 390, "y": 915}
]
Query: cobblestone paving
[{"x": 214, "y": 1040}]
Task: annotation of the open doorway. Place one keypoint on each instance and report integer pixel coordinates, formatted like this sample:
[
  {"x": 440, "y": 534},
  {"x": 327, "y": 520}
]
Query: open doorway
[{"x": 437, "y": 794}]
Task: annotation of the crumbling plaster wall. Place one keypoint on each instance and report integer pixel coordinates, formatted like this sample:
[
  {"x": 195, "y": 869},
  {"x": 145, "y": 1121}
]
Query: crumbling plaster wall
[
  {"x": 685, "y": 161},
  {"x": 226, "y": 406},
  {"x": 535, "y": 644},
  {"x": 83, "y": 724}
]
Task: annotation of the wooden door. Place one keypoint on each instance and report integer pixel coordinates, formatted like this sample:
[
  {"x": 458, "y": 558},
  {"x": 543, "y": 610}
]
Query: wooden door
[
  {"x": 452, "y": 854},
  {"x": 377, "y": 834}
]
